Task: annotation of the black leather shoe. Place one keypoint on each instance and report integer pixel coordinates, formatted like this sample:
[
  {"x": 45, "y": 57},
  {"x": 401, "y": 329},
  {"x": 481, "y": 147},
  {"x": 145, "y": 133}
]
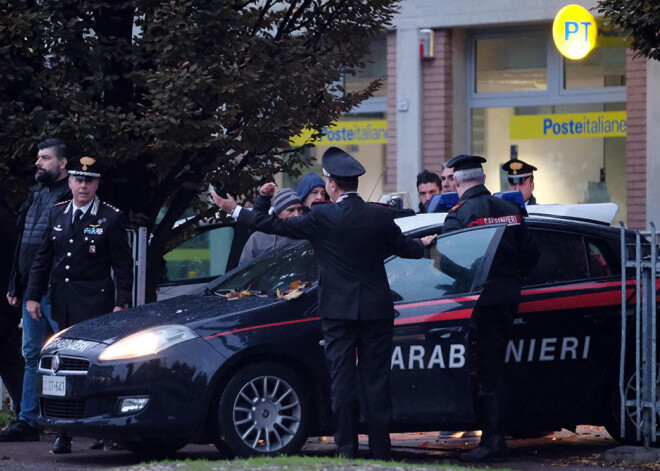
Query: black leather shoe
[
  {"x": 62, "y": 445},
  {"x": 19, "y": 431},
  {"x": 97, "y": 444},
  {"x": 485, "y": 454}
]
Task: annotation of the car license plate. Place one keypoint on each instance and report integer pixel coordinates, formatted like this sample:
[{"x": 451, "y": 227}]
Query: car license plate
[{"x": 54, "y": 386}]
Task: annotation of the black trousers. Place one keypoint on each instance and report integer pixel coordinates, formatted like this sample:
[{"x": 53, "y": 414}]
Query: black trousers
[
  {"x": 493, "y": 328},
  {"x": 12, "y": 363},
  {"x": 370, "y": 343}
]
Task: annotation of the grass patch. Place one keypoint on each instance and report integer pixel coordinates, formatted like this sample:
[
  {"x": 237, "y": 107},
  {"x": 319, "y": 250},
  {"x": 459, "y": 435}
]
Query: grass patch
[
  {"x": 293, "y": 463},
  {"x": 6, "y": 416}
]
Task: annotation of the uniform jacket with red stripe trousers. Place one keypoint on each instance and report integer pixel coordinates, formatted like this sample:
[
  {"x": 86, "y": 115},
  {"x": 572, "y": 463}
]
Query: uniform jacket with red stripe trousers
[{"x": 516, "y": 253}]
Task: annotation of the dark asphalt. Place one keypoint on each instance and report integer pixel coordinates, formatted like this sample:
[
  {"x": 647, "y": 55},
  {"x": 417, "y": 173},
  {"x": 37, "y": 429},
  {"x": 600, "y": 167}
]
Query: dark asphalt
[{"x": 566, "y": 450}]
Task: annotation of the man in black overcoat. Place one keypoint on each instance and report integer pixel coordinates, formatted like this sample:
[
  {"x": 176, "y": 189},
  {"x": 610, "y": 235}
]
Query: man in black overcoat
[
  {"x": 498, "y": 303},
  {"x": 351, "y": 240},
  {"x": 85, "y": 240}
]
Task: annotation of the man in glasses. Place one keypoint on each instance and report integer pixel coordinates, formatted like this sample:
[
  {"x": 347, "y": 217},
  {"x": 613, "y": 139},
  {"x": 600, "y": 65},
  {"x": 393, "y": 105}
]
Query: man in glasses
[{"x": 521, "y": 178}]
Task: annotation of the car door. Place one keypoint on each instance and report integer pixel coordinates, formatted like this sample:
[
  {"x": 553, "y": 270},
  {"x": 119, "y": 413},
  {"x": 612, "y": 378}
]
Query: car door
[
  {"x": 198, "y": 260},
  {"x": 434, "y": 298},
  {"x": 565, "y": 332}
]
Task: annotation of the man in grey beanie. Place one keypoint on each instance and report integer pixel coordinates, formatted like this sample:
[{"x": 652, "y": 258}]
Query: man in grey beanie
[{"x": 286, "y": 204}]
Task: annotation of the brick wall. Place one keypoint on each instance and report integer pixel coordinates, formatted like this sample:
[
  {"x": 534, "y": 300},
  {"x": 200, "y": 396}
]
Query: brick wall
[
  {"x": 390, "y": 175},
  {"x": 437, "y": 94},
  {"x": 436, "y": 102},
  {"x": 636, "y": 141}
]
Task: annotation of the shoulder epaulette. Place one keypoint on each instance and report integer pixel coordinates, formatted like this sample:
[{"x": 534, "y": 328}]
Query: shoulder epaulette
[
  {"x": 62, "y": 203},
  {"x": 116, "y": 210},
  {"x": 457, "y": 206}
]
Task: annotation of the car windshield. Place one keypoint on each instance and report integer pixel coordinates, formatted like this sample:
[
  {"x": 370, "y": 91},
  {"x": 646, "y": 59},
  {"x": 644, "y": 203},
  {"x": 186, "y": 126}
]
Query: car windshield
[{"x": 274, "y": 271}]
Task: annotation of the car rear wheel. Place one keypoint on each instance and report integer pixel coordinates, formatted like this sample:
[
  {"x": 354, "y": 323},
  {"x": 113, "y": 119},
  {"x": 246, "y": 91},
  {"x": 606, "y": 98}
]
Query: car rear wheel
[
  {"x": 263, "y": 411},
  {"x": 633, "y": 420}
]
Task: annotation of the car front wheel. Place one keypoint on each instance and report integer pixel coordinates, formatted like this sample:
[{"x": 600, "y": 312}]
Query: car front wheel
[{"x": 263, "y": 411}]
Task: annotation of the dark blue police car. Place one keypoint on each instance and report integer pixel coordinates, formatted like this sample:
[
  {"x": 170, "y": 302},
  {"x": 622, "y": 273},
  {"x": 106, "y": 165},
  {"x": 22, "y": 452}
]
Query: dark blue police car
[{"x": 248, "y": 373}]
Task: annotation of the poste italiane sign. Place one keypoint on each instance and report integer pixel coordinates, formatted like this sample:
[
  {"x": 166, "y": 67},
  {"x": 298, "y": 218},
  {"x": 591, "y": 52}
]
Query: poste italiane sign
[
  {"x": 343, "y": 133},
  {"x": 574, "y": 31},
  {"x": 568, "y": 125}
]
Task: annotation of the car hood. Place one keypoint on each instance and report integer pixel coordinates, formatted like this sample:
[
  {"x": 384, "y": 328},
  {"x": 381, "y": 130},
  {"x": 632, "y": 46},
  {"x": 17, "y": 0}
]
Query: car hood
[{"x": 182, "y": 310}]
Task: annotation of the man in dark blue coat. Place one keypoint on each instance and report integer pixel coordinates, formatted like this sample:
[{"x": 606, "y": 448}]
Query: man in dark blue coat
[
  {"x": 85, "y": 240},
  {"x": 499, "y": 300},
  {"x": 351, "y": 239}
]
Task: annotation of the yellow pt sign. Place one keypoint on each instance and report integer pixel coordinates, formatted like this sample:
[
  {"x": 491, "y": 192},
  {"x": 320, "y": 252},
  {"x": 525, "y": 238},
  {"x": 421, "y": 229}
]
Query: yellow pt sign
[{"x": 574, "y": 31}]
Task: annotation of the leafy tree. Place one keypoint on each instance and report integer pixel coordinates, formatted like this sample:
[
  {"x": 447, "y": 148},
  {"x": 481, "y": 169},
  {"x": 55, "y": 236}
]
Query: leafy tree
[
  {"x": 173, "y": 94},
  {"x": 637, "y": 18}
]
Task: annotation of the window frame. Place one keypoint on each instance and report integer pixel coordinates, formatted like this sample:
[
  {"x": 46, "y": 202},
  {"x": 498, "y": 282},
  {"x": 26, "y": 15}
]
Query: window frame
[{"x": 555, "y": 94}]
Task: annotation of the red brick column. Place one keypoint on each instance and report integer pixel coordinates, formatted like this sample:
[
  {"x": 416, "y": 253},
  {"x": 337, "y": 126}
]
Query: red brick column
[
  {"x": 636, "y": 141},
  {"x": 437, "y": 91},
  {"x": 390, "y": 174}
]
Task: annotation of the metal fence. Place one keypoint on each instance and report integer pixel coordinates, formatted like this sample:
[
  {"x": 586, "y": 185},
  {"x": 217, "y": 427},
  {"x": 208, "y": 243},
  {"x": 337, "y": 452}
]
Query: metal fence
[
  {"x": 638, "y": 386},
  {"x": 138, "y": 241}
]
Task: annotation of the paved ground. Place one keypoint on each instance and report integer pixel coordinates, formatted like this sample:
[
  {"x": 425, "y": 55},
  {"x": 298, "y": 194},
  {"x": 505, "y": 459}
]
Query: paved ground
[{"x": 570, "y": 451}]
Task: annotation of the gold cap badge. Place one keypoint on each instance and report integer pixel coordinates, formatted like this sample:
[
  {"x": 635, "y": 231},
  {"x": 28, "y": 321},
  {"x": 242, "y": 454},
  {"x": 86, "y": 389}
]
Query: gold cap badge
[
  {"x": 515, "y": 166},
  {"x": 87, "y": 161}
]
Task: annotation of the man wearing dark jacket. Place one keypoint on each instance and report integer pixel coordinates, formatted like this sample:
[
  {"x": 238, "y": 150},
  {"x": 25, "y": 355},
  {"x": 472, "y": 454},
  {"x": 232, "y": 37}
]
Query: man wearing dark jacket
[
  {"x": 351, "y": 240},
  {"x": 32, "y": 225},
  {"x": 286, "y": 204},
  {"x": 499, "y": 300},
  {"x": 11, "y": 361}
]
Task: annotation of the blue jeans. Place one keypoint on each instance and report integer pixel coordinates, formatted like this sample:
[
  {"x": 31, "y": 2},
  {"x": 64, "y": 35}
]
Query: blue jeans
[{"x": 35, "y": 334}]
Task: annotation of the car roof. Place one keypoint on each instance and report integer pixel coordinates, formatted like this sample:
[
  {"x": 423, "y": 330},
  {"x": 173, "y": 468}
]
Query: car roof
[{"x": 601, "y": 214}]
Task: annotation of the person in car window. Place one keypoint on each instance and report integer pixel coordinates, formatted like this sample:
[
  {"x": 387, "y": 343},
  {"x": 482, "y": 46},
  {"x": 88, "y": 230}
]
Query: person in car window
[
  {"x": 286, "y": 204},
  {"x": 521, "y": 178},
  {"x": 498, "y": 303},
  {"x": 85, "y": 239},
  {"x": 351, "y": 239}
]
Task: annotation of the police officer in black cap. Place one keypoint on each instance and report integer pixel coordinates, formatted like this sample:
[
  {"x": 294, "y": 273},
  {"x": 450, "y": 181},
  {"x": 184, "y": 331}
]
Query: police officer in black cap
[
  {"x": 85, "y": 240},
  {"x": 499, "y": 300},
  {"x": 351, "y": 239},
  {"x": 521, "y": 178}
]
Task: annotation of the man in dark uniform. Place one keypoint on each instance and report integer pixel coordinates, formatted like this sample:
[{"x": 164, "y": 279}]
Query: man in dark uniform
[
  {"x": 521, "y": 178},
  {"x": 351, "y": 239},
  {"x": 85, "y": 239},
  {"x": 499, "y": 300}
]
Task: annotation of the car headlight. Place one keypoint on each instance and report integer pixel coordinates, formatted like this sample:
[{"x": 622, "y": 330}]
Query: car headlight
[
  {"x": 54, "y": 337},
  {"x": 147, "y": 342}
]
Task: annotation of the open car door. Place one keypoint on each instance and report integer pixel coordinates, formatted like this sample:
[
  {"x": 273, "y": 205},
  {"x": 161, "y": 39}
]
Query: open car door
[{"x": 434, "y": 297}]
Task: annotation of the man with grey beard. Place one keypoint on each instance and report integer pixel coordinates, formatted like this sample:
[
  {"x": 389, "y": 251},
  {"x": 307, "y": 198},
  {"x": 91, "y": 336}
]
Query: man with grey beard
[{"x": 51, "y": 176}]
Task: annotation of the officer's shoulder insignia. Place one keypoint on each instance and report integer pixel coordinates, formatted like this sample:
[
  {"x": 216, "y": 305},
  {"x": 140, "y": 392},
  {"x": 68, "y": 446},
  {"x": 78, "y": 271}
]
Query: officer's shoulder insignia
[
  {"x": 116, "y": 210},
  {"x": 62, "y": 203},
  {"x": 457, "y": 206}
]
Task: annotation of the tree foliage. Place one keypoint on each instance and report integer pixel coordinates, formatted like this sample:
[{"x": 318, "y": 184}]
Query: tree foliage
[
  {"x": 173, "y": 94},
  {"x": 639, "y": 19}
]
